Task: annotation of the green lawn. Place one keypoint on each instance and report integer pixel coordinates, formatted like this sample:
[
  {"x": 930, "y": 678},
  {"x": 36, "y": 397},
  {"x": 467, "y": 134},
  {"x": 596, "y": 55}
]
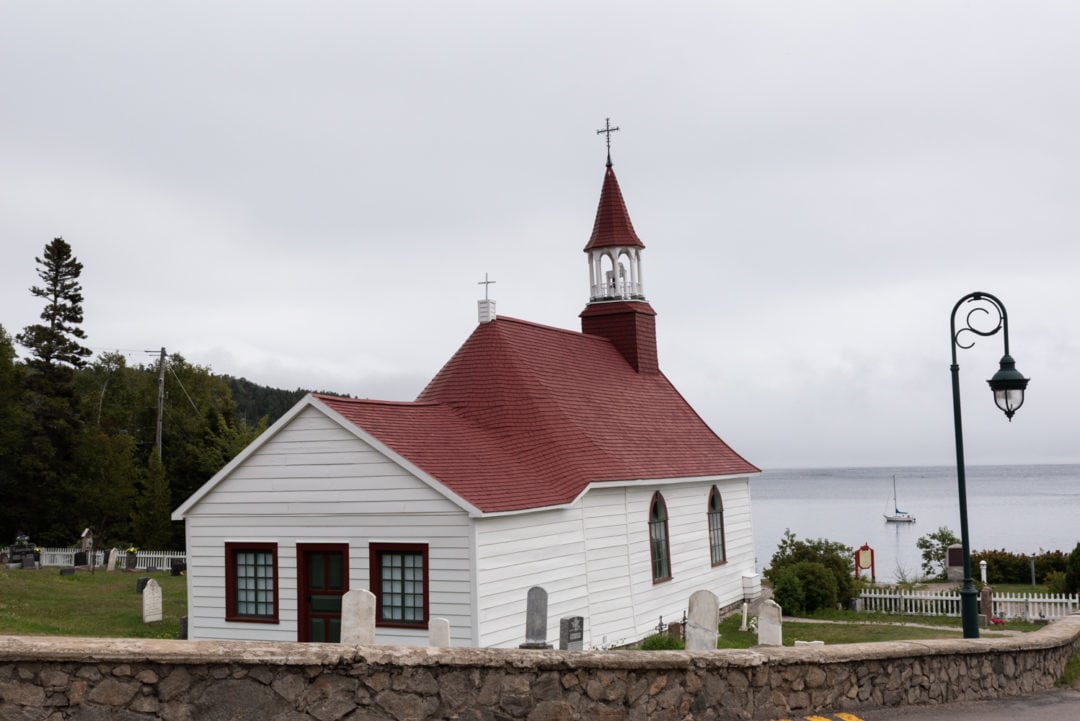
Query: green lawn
[
  {"x": 849, "y": 627},
  {"x": 44, "y": 603}
]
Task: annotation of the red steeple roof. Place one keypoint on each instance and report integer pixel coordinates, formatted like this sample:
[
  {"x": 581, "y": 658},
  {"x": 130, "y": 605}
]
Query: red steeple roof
[
  {"x": 526, "y": 416},
  {"x": 612, "y": 226}
]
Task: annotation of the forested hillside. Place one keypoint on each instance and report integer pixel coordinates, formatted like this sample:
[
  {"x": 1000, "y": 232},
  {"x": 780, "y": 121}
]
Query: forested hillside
[{"x": 79, "y": 432}]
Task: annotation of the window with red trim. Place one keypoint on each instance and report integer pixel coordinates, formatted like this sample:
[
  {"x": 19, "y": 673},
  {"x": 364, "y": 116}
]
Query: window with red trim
[
  {"x": 658, "y": 539},
  {"x": 399, "y": 580},
  {"x": 717, "y": 547},
  {"x": 251, "y": 582}
]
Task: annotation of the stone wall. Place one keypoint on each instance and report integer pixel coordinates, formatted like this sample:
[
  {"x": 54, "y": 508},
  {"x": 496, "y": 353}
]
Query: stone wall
[{"x": 127, "y": 680}]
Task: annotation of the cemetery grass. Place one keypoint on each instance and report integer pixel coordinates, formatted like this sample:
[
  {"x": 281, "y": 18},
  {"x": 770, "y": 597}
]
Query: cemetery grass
[
  {"x": 854, "y": 628},
  {"x": 43, "y": 603}
]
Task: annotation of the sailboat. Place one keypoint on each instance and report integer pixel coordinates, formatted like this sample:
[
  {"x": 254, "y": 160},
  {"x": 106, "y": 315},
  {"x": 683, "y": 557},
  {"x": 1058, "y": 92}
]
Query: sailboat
[{"x": 897, "y": 516}]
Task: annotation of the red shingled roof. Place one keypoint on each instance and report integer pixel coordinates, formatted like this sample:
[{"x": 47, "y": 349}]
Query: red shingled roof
[
  {"x": 526, "y": 416},
  {"x": 612, "y": 226}
]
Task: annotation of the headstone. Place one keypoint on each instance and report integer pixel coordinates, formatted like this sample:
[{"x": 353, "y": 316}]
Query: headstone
[
  {"x": 954, "y": 562},
  {"x": 114, "y": 555},
  {"x": 151, "y": 602},
  {"x": 140, "y": 584},
  {"x": 80, "y": 558},
  {"x": 177, "y": 566},
  {"x": 702, "y": 617},
  {"x": 358, "y": 617},
  {"x": 745, "y": 611},
  {"x": 151, "y": 569},
  {"x": 571, "y": 633},
  {"x": 809, "y": 643},
  {"x": 439, "y": 633},
  {"x": 182, "y": 633},
  {"x": 986, "y": 603},
  {"x": 675, "y": 629},
  {"x": 69, "y": 571},
  {"x": 29, "y": 562},
  {"x": 536, "y": 619},
  {"x": 132, "y": 559},
  {"x": 770, "y": 624}
]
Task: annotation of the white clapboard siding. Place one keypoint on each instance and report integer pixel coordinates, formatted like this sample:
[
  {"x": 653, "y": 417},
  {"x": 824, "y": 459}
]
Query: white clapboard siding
[
  {"x": 625, "y": 604},
  {"x": 292, "y": 490},
  {"x": 515, "y": 553},
  {"x": 593, "y": 560}
]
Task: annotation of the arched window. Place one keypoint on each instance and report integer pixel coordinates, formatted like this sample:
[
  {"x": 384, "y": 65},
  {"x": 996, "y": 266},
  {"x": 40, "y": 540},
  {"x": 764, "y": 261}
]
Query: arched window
[
  {"x": 717, "y": 548},
  {"x": 658, "y": 539}
]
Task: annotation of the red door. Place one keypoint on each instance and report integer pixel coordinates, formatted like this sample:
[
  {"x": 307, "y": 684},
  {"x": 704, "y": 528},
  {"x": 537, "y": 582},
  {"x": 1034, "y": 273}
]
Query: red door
[{"x": 323, "y": 580}]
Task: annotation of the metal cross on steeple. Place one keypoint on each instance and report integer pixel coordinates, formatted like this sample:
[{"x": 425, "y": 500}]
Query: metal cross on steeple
[
  {"x": 486, "y": 283},
  {"x": 608, "y": 130}
]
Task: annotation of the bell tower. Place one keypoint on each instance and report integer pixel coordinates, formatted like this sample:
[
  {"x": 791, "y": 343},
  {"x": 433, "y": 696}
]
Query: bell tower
[{"x": 617, "y": 309}]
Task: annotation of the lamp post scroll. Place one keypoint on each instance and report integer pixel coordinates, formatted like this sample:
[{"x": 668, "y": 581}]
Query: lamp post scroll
[{"x": 1008, "y": 385}]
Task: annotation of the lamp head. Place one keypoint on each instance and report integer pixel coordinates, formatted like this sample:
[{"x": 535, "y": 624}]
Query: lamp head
[{"x": 1008, "y": 385}]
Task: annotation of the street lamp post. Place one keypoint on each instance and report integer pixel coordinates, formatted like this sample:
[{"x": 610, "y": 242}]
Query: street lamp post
[{"x": 1008, "y": 385}]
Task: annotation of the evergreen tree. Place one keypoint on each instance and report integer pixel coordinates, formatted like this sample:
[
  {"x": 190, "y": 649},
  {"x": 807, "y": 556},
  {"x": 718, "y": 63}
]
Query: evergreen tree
[
  {"x": 46, "y": 461},
  {"x": 56, "y": 342},
  {"x": 150, "y": 522},
  {"x": 12, "y": 439}
]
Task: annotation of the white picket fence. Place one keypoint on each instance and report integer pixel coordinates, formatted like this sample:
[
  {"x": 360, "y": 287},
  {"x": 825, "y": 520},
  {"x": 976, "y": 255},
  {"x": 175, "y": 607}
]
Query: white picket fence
[
  {"x": 143, "y": 559},
  {"x": 1028, "y": 606}
]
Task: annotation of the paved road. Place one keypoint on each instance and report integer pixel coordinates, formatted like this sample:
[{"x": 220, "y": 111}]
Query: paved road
[{"x": 1057, "y": 705}]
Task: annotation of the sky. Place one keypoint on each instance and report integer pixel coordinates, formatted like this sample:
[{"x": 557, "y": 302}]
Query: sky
[{"x": 308, "y": 194}]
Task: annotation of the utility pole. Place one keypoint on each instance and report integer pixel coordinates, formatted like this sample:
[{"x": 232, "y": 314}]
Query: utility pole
[{"x": 160, "y": 401}]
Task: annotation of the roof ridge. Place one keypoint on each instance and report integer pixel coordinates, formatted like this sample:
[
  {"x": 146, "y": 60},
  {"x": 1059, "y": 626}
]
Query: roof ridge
[
  {"x": 371, "y": 401},
  {"x": 557, "y": 329}
]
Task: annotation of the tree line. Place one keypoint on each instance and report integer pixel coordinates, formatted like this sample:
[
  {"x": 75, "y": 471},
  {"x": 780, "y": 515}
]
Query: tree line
[{"x": 78, "y": 432}]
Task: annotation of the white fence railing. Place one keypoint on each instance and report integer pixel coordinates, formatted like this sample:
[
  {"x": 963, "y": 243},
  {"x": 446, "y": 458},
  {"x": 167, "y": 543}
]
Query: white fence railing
[
  {"x": 915, "y": 603},
  {"x": 1029, "y": 606},
  {"x": 161, "y": 560},
  {"x": 1032, "y": 606}
]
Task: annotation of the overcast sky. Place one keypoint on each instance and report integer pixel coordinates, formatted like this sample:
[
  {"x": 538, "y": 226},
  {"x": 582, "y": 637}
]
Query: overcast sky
[{"x": 307, "y": 194}]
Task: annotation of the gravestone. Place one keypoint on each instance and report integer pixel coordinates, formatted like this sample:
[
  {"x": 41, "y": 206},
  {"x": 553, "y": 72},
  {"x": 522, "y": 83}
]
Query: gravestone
[
  {"x": 702, "y": 618},
  {"x": 358, "y": 617},
  {"x": 151, "y": 569},
  {"x": 745, "y": 611},
  {"x": 439, "y": 633},
  {"x": 80, "y": 558},
  {"x": 69, "y": 571},
  {"x": 140, "y": 584},
  {"x": 954, "y": 562},
  {"x": 151, "y": 602},
  {"x": 770, "y": 624},
  {"x": 536, "y": 619},
  {"x": 182, "y": 633},
  {"x": 114, "y": 555},
  {"x": 177, "y": 566},
  {"x": 986, "y": 605},
  {"x": 571, "y": 633},
  {"x": 809, "y": 643},
  {"x": 675, "y": 628}
]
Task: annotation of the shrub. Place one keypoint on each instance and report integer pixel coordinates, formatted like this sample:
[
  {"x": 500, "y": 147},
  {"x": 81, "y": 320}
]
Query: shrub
[
  {"x": 838, "y": 560},
  {"x": 935, "y": 549},
  {"x": 818, "y": 584},
  {"x": 662, "y": 642},
  {"x": 1055, "y": 582},
  {"x": 1072, "y": 571},
  {"x": 788, "y": 591},
  {"x": 1006, "y": 567}
]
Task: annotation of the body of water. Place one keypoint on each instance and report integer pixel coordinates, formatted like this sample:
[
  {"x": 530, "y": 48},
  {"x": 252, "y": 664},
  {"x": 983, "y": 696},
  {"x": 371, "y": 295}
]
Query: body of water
[{"x": 1022, "y": 509}]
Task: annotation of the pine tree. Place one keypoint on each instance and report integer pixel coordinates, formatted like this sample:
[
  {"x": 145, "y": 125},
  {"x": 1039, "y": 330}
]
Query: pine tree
[
  {"x": 13, "y": 429},
  {"x": 56, "y": 342},
  {"x": 47, "y": 462}
]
